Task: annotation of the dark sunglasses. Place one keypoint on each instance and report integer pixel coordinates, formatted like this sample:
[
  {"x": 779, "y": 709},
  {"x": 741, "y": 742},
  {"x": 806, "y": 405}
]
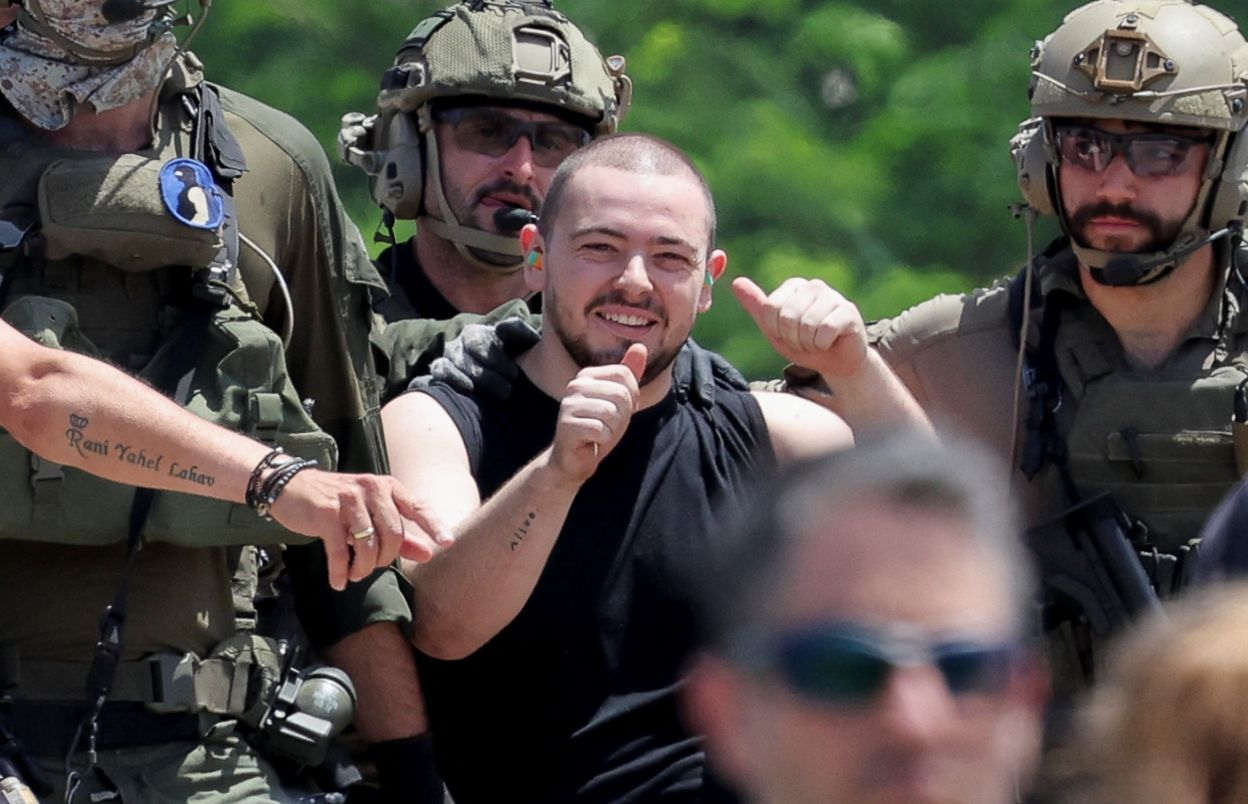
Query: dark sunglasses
[
  {"x": 1148, "y": 153},
  {"x": 850, "y": 664},
  {"x": 494, "y": 133}
]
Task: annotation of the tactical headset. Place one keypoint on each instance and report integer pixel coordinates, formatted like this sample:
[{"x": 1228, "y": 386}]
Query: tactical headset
[{"x": 1166, "y": 62}]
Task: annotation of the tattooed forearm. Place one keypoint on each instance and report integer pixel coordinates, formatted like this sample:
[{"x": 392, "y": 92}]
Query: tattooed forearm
[
  {"x": 523, "y": 530},
  {"x": 191, "y": 474},
  {"x": 131, "y": 454},
  {"x": 78, "y": 441}
]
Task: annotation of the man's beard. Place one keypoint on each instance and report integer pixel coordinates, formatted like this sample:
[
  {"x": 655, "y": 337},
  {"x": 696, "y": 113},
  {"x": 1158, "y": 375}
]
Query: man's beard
[
  {"x": 471, "y": 214},
  {"x": 584, "y": 357},
  {"x": 1161, "y": 234}
]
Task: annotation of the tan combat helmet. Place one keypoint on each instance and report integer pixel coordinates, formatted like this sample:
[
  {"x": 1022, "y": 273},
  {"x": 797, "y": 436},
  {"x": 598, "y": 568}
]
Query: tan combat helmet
[
  {"x": 1167, "y": 62},
  {"x": 506, "y": 50}
]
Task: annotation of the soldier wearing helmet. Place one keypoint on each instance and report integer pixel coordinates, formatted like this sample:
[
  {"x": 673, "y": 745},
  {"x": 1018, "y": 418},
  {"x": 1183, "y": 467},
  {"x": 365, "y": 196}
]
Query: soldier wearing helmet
[
  {"x": 484, "y": 100},
  {"x": 1107, "y": 370}
]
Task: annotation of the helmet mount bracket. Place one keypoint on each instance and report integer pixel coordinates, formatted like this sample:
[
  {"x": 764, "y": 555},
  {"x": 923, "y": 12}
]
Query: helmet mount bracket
[
  {"x": 1124, "y": 61},
  {"x": 541, "y": 57}
]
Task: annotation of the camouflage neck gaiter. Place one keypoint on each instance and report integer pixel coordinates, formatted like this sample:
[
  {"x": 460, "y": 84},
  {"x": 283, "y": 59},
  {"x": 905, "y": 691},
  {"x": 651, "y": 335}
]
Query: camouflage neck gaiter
[{"x": 45, "y": 83}]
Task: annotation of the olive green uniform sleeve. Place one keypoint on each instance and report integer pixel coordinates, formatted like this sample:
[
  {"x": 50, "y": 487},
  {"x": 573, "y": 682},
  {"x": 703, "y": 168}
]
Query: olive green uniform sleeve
[
  {"x": 301, "y": 225},
  {"x": 328, "y": 616},
  {"x": 956, "y": 356}
]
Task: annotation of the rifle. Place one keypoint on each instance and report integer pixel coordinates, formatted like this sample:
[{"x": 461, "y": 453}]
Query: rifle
[{"x": 1089, "y": 560}]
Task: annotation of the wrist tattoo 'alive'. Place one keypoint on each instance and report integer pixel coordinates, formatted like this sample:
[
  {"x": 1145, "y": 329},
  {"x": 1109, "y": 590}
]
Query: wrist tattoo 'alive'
[{"x": 523, "y": 530}]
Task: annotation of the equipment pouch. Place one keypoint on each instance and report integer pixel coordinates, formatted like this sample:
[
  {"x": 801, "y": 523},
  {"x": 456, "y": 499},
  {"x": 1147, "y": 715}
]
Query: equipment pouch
[
  {"x": 1162, "y": 446},
  {"x": 49, "y": 322},
  {"x": 239, "y": 677},
  {"x": 111, "y": 208},
  {"x": 236, "y": 680}
]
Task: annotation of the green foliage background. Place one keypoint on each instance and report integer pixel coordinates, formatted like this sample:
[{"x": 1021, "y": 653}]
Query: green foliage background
[{"x": 861, "y": 142}]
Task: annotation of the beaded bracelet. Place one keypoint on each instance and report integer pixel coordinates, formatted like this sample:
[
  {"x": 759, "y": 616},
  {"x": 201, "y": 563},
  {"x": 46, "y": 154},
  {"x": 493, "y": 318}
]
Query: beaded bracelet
[
  {"x": 276, "y": 482},
  {"x": 263, "y": 490},
  {"x": 253, "y": 483}
]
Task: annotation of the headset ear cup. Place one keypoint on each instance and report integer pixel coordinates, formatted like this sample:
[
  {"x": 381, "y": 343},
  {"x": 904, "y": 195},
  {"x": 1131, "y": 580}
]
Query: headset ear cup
[
  {"x": 1032, "y": 164},
  {"x": 1229, "y": 198},
  {"x": 399, "y": 183}
]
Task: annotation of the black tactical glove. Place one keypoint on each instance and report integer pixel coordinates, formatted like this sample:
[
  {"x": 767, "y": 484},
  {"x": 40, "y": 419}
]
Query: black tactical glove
[
  {"x": 406, "y": 771},
  {"x": 483, "y": 358},
  {"x": 696, "y": 370}
]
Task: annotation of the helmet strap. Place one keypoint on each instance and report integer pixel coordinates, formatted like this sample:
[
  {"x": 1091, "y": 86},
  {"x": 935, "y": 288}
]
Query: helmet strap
[{"x": 464, "y": 238}]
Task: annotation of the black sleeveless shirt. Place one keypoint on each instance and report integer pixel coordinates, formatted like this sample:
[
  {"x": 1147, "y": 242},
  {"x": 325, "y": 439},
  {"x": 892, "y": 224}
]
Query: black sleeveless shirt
[{"x": 575, "y": 698}]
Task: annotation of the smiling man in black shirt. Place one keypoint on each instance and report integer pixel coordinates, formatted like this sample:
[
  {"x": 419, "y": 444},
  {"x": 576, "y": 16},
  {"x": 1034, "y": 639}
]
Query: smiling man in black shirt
[{"x": 553, "y": 629}]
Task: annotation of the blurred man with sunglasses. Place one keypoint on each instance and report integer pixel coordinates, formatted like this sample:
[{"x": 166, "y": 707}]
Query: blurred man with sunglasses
[
  {"x": 866, "y": 635},
  {"x": 1111, "y": 363}
]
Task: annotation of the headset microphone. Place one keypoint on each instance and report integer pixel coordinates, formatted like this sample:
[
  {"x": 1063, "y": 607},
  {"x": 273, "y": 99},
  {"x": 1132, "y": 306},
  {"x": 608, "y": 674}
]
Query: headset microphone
[
  {"x": 1129, "y": 270},
  {"x": 511, "y": 220}
]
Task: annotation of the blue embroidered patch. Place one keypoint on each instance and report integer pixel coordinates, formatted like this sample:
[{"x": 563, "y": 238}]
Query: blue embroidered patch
[{"x": 191, "y": 195}]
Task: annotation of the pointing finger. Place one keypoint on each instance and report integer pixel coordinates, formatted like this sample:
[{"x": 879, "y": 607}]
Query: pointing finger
[{"x": 419, "y": 511}]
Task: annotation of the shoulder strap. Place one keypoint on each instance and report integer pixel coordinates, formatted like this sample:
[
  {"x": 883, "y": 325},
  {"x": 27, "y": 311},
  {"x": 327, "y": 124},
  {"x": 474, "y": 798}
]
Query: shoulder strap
[
  {"x": 1018, "y": 288},
  {"x": 1042, "y": 376},
  {"x": 217, "y": 147}
]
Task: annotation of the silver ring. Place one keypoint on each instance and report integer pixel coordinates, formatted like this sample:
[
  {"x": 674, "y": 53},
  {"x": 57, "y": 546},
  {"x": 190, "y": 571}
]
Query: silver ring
[{"x": 367, "y": 533}]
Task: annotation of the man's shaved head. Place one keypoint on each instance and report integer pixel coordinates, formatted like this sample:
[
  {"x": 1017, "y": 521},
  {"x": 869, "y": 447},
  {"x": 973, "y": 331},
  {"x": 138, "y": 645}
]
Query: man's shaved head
[{"x": 631, "y": 152}]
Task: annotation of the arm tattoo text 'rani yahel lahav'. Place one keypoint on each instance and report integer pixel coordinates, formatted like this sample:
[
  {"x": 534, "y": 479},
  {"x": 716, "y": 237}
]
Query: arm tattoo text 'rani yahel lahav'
[{"x": 127, "y": 453}]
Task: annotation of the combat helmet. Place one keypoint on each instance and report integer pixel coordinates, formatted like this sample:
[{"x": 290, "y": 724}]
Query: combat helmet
[
  {"x": 1169, "y": 62},
  {"x": 507, "y": 50}
]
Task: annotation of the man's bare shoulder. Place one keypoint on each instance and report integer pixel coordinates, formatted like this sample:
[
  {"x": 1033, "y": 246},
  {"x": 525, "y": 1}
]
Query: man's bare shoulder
[
  {"x": 799, "y": 429},
  {"x": 417, "y": 413}
]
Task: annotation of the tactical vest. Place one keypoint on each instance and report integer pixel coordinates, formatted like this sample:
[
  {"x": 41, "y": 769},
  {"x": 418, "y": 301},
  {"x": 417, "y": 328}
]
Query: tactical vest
[
  {"x": 1162, "y": 446},
  {"x": 94, "y": 260},
  {"x": 1160, "y": 441}
]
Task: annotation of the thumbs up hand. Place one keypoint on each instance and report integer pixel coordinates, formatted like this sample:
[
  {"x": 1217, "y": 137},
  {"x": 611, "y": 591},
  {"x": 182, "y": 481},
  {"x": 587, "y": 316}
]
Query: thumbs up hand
[
  {"x": 809, "y": 324},
  {"x": 594, "y": 413}
]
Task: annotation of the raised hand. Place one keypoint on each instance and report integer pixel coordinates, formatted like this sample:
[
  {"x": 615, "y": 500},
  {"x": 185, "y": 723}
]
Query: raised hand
[
  {"x": 809, "y": 324},
  {"x": 336, "y": 508},
  {"x": 594, "y": 414}
]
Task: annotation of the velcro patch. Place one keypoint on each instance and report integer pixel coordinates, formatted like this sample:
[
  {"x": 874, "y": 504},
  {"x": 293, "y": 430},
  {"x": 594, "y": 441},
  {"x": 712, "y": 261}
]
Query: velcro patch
[{"x": 191, "y": 194}]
